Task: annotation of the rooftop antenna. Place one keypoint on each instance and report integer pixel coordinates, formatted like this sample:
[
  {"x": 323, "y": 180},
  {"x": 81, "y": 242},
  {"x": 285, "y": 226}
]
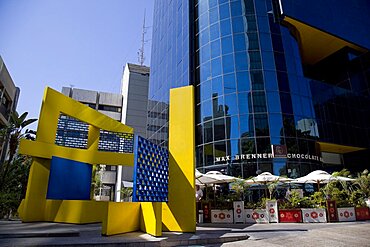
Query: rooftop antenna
[{"x": 140, "y": 53}]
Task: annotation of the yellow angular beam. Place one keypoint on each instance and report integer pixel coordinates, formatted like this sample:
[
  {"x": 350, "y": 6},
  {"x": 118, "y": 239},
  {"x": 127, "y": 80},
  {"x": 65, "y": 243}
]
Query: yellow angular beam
[
  {"x": 75, "y": 211},
  {"x": 46, "y": 151},
  {"x": 179, "y": 213},
  {"x": 121, "y": 217},
  {"x": 151, "y": 218},
  {"x": 37, "y": 186}
]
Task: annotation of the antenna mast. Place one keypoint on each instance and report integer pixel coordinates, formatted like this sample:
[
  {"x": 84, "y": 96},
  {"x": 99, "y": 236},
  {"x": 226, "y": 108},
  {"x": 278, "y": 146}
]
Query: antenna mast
[{"x": 140, "y": 53}]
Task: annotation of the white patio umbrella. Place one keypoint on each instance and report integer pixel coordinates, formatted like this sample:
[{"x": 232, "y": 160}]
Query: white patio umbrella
[
  {"x": 221, "y": 178},
  {"x": 265, "y": 178},
  {"x": 203, "y": 179},
  {"x": 320, "y": 177}
]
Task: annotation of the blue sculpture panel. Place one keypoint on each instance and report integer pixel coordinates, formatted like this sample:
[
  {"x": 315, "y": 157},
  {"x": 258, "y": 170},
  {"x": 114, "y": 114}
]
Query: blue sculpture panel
[
  {"x": 150, "y": 172},
  {"x": 69, "y": 180}
]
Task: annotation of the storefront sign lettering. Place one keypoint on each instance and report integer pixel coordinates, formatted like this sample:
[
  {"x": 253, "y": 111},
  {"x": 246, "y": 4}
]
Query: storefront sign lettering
[{"x": 267, "y": 156}]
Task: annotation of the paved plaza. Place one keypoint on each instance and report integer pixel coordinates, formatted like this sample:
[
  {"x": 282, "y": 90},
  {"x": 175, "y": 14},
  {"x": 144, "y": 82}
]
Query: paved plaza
[{"x": 14, "y": 233}]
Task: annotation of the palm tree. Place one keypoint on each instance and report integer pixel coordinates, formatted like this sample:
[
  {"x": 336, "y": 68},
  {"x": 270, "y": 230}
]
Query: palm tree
[
  {"x": 11, "y": 135},
  {"x": 16, "y": 126}
]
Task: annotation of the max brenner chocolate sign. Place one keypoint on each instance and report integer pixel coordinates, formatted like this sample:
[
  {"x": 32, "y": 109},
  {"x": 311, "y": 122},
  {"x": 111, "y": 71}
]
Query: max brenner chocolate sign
[{"x": 278, "y": 151}]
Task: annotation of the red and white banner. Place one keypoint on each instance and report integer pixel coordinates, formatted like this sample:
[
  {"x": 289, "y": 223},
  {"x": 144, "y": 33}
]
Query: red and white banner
[
  {"x": 222, "y": 216},
  {"x": 346, "y": 214},
  {"x": 272, "y": 210},
  {"x": 314, "y": 215},
  {"x": 238, "y": 212},
  {"x": 256, "y": 216}
]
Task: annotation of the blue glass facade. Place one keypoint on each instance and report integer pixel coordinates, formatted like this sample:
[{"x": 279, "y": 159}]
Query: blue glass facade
[
  {"x": 169, "y": 62},
  {"x": 252, "y": 88}
]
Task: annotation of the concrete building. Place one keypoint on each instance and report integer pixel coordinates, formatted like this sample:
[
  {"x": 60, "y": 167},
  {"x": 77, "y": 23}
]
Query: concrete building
[
  {"x": 134, "y": 90},
  {"x": 109, "y": 104},
  {"x": 9, "y": 95}
]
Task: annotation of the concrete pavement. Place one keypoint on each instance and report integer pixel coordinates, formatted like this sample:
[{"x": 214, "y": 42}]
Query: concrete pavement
[{"x": 15, "y": 233}]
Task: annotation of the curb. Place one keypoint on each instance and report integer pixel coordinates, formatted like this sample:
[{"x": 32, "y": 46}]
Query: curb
[{"x": 39, "y": 234}]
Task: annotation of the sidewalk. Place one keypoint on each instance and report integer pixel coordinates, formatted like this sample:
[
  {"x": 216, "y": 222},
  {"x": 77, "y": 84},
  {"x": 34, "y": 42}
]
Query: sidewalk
[{"x": 15, "y": 233}]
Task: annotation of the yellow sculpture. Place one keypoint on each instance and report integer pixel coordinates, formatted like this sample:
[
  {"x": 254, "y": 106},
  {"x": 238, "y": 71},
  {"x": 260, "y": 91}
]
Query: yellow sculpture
[{"x": 178, "y": 214}]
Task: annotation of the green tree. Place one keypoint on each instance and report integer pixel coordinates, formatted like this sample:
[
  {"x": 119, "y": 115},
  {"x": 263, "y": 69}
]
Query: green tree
[
  {"x": 239, "y": 187},
  {"x": 14, "y": 171}
]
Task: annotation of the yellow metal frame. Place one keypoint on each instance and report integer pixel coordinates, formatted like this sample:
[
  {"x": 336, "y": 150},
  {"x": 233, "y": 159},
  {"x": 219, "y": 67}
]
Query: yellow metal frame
[{"x": 177, "y": 215}]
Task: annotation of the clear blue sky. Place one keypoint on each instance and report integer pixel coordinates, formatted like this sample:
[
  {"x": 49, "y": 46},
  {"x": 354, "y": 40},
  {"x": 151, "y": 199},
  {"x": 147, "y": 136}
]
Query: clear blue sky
[{"x": 84, "y": 43}]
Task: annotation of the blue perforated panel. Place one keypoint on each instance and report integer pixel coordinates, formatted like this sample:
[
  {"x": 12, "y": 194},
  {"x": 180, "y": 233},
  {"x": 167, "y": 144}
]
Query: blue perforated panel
[{"x": 150, "y": 172}]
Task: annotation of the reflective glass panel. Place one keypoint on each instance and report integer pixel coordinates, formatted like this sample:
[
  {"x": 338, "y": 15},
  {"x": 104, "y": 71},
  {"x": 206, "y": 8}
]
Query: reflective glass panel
[
  {"x": 206, "y": 109},
  {"x": 244, "y": 100},
  {"x": 239, "y": 43},
  {"x": 224, "y": 11},
  {"x": 259, "y": 102},
  {"x": 232, "y": 127},
  {"x": 261, "y": 124},
  {"x": 208, "y": 154},
  {"x": 229, "y": 83},
  {"x": 228, "y": 63},
  {"x": 225, "y": 27},
  {"x": 238, "y": 24},
  {"x": 273, "y": 100},
  {"x": 217, "y": 86},
  {"x": 219, "y": 129},
  {"x": 216, "y": 67},
  {"x": 246, "y": 125},
  {"x": 206, "y": 90},
  {"x": 248, "y": 145},
  {"x": 241, "y": 61},
  {"x": 231, "y": 106},
  {"x": 279, "y": 168},
  {"x": 213, "y": 15},
  {"x": 276, "y": 125},
  {"x": 227, "y": 45},
  {"x": 218, "y": 107},
  {"x": 243, "y": 81},
  {"x": 214, "y": 31},
  {"x": 215, "y": 48},
  {"x": 208, "y": 132}
]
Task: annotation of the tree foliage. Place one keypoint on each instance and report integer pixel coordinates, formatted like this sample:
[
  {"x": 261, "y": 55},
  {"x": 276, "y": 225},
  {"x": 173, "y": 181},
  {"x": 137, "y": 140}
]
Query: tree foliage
[{"x": 15, "y": 168}]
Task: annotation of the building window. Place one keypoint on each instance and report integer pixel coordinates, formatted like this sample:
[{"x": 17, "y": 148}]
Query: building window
[{"x": 109, "y": 108}]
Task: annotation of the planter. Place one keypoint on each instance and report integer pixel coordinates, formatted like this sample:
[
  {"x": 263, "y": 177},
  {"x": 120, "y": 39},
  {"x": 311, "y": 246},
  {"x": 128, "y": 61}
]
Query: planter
[
  {"x": 332, "y": 211},
  {"x": 272, "y": 210},
  {"x": 256, "y": 216},
  {"x": 290, "y": 216},
  {"x": 222, "y": 216},
  {"x": 362, "y": 213},
  {"x": 239, "y": 212},
  {"x": 206, "y": 207},
  {"x": 346, "y": 214},
  {"x": 314, "y": 215}
]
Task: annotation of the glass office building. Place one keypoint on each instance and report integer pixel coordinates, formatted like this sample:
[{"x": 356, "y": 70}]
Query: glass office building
[{"x": 279, "y": 86}]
